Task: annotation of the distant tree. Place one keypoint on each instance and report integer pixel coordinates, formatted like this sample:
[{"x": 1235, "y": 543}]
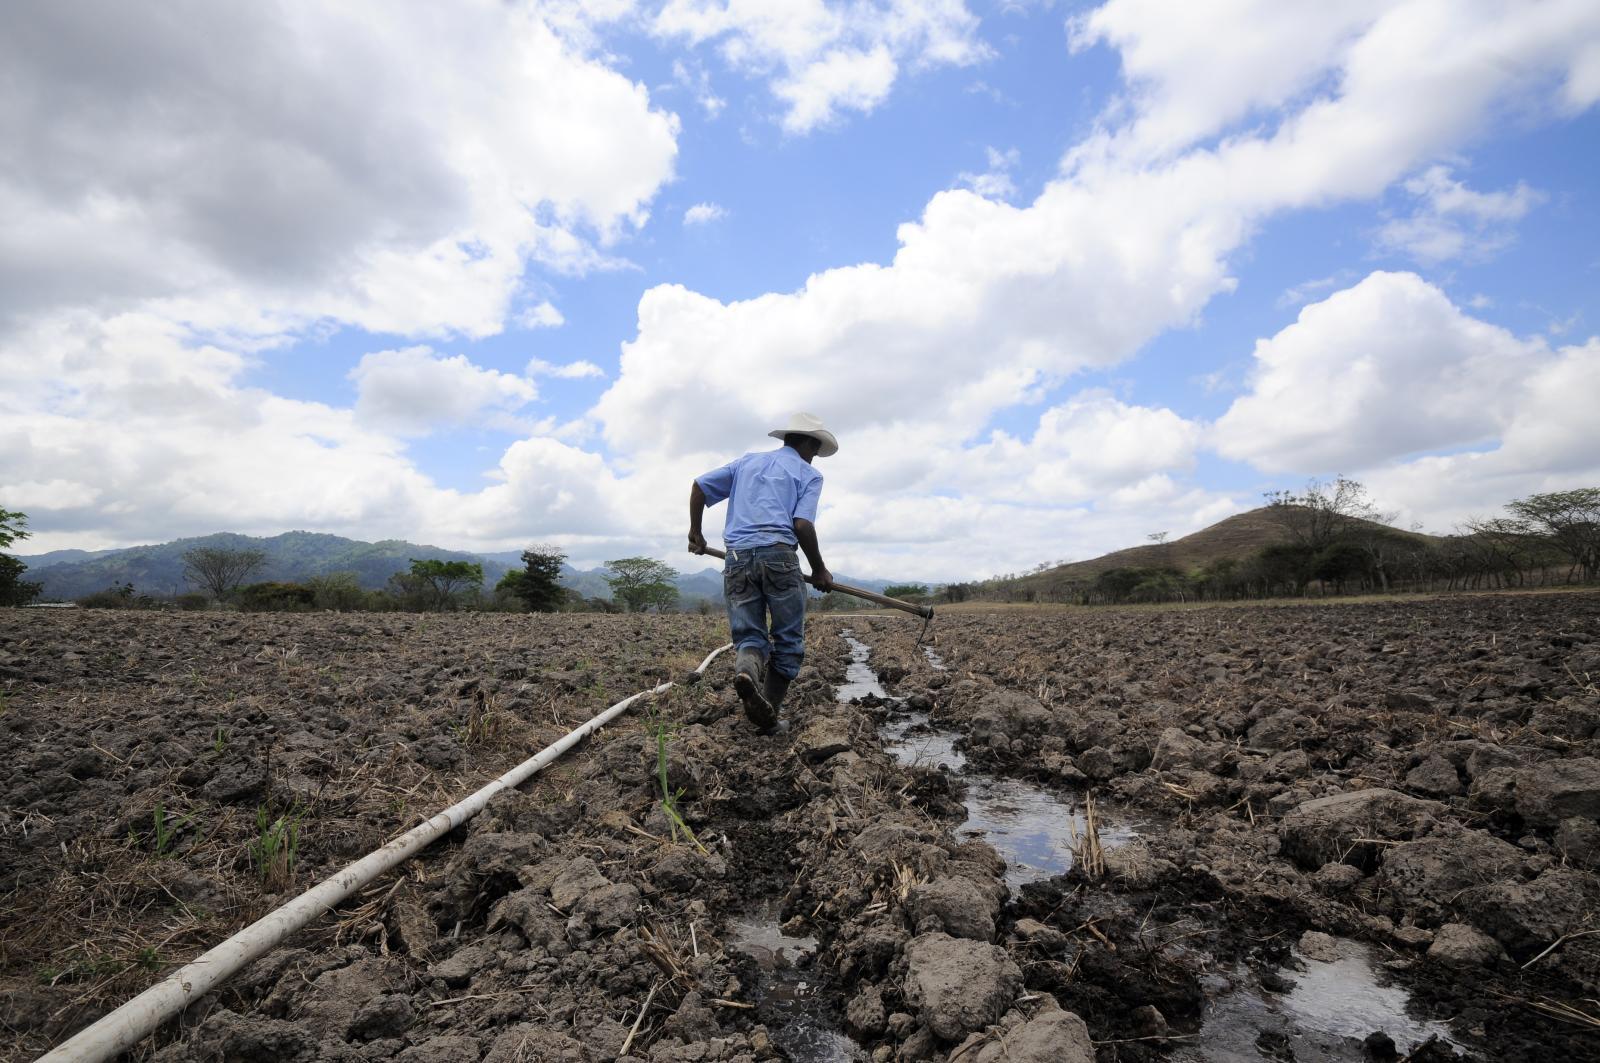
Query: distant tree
[
  {"x": 1323, "y": 512},
  {"x": 834, "y": 602},
  {"x": 340, "y": 591},
  {"x": 1163, "y": 547},
  {"x": 1286, "y": 565},
  {"x": 14, "y": 590},
  {"x": 1571, "y": 521},
  {"x": 906, "y": 591},
  {"x": 957, "y": 592},
  {"x": 1339, "y": 563},
  {"x": 1116, "y": 584},
  {"x": 1219, "y": 579},
  {"x": 538, "y": 582},
  {"x": 443, "y": 580},
  {"x": 219, "y": 570},
  {"x": 277, "y": 598},
  {"x": 405, "y": 592},
  {"x": 642, "y": 582}
]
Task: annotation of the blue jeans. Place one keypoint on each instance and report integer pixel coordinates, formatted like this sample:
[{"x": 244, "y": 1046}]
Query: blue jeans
[{"x": 762, "y": 580}]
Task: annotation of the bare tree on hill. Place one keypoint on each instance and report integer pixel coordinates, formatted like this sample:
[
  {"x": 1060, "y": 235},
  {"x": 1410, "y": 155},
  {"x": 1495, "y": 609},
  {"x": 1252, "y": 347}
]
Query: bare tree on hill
[
  {"x": 1324, "y": 512},
  {"x": 218, "y": 570}
]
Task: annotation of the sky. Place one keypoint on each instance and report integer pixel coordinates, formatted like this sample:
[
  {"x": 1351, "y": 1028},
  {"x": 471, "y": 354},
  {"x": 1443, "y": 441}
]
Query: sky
[{"x": 1059, "y": 276}]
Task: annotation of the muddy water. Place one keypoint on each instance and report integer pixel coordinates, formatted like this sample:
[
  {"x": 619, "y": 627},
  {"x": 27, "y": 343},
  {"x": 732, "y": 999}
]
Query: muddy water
[
  {"x": 1332, "y": 1006},
  {"x": 1028, "y": 825},
  {"x": 789, "y": 994}
]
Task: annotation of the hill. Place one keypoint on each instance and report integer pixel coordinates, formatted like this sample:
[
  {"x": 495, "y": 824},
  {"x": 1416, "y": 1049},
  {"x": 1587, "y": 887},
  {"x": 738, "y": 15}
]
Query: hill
[
  {"x": 291, "y": 557},
  {"x": 56, "y": 557},
  {"x": 1237, "y": 537},
  {"x": 296, "y": 556}
]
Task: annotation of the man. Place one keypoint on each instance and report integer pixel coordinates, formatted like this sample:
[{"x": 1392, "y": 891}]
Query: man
[{"x": 772, "y": 507}]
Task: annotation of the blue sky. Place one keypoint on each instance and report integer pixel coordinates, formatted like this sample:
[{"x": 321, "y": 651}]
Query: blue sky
[{"x": 1058, "y": 275}]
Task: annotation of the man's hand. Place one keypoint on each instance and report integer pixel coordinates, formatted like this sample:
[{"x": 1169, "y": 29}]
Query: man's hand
[
  {"x": 697, "y": 508},
  {"x": 806, "y": 534}
]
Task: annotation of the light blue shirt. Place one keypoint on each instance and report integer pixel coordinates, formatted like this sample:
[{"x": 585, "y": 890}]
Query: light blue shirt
[{"x": 767, "y": 491}]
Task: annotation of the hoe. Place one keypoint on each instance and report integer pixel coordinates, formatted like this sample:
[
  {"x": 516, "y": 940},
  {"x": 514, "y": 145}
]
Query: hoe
[{"x": 924, "y": 611}]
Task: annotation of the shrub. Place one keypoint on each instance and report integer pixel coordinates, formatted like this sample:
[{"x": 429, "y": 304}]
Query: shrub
[
  {"x": 340, "y": 591},
  {"x": 113, "y": 597},
  {"x": 277, "y": 598}
]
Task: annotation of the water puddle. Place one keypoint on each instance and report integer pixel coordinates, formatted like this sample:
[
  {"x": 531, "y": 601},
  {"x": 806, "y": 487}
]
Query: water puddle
[
  {"x": 916, "y": 742},
  {"x": 790, "y": 998},
  {"x": 1029, "y": 826},
  {"x": 859, "y": 679},
  {"x": 1333, "y": 1006},
  {"x": 1032, "y": 828}
]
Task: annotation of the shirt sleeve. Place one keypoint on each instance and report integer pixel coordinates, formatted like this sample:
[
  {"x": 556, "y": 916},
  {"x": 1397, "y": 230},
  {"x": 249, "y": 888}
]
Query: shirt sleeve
[
  {"x": 805, "y": 506},
  {"x": 718, "y": 483}
]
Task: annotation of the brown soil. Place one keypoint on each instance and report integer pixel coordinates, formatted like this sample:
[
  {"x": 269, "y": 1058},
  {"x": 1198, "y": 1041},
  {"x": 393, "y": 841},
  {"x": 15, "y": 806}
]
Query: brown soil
[{"x": 539, "y": 930}]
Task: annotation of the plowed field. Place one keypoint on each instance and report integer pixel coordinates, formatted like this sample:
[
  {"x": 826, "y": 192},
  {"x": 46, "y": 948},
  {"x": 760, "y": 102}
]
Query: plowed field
[{"x": 1408, "y": 790}]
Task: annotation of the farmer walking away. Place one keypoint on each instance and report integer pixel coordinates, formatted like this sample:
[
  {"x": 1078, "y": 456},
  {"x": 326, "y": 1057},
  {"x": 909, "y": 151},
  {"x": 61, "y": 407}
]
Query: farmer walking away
[{"x": 772, "y": 508}]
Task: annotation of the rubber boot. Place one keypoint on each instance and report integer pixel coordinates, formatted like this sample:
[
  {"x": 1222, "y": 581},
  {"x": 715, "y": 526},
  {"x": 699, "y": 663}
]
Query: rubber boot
[
  {"x": 777, "y": 686},
  {"x": 746, "y": 682}
]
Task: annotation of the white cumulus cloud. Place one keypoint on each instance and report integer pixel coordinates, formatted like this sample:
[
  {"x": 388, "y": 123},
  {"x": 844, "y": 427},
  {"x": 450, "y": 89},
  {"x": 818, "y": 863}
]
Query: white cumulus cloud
[
  {"x": 1454, "y": 221},
  {"x": 995, "y": 182},
  {"x": 541, "y": 315},
  {"x": 1549, "y": 441},
  {"x": 566, "y": 371},
  {"x": 1387, "y": 368},
  {"x": 1373, "y": 378},
  {"x": 822, "y": 57},
  {"x": 703, "y": 214},
  {"x": 414, "y": 391},
  {"x": 392, "y": 166}
]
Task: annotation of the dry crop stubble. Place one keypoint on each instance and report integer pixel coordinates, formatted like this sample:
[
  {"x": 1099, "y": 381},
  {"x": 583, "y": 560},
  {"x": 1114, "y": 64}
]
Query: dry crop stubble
[
  {"x": 341, "y": 729},
  {"x": 1255, "y": 712}
]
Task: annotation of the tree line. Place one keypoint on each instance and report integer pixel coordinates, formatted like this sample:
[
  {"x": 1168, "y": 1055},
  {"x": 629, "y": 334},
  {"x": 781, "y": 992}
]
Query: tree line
[
  {"x": 1337, "y": 542},
  {"x": 221, "y": 576}
]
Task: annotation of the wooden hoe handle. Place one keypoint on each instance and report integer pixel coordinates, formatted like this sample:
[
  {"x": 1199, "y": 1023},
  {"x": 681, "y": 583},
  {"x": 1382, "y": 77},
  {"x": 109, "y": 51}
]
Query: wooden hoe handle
[{"x": 924, "y": 611}]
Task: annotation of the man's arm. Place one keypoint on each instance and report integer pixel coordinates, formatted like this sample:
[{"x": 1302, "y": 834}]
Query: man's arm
[
  {"x": 697, "y": 507},
  {"x": 806, "y": 533}
]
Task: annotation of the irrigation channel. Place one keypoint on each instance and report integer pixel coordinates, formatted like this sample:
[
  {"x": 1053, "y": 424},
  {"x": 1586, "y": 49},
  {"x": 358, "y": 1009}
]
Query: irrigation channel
[{"x": 1326, "y": 1004}]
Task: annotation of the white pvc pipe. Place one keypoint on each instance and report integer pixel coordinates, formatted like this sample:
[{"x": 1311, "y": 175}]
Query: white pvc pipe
[{"x": 131, "y": 1023}]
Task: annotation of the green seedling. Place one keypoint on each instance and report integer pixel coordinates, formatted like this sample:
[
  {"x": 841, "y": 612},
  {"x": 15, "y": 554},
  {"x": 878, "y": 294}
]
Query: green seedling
[
  {"x": 219, "y": 740},
  {"x": 80, "y": 967},
  {"x": 148, "y": 958},
  {"x": 276, "y": 848},
  {"x": 669, "y": 797},
  {"x": 166, "y": 831}
]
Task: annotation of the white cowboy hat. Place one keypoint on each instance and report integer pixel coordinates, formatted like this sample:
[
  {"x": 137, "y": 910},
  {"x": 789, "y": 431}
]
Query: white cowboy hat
[{"x": 806, "y": 424}]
